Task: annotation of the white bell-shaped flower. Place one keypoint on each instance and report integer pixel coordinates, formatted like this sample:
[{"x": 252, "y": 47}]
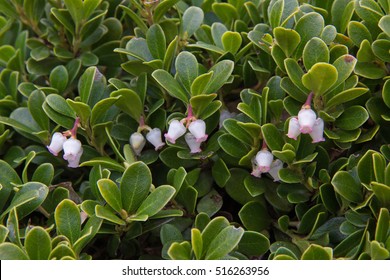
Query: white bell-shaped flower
[
  {"x": 293, "y": 128},
  {"x": 192, "y": 143},
  {"x": 274, "y": 171},
  {"x": 57, "y": 141},
  {"x": 198, "y": 129},
  {"x": 137, "y": 142},
  {"x": 264, "y": 160},
  {"x": 75, "y": 161},
  {"x": 317, "y": 133},
  {"x": 256, "y": 172},
  {"x": 176, "y": 129},
  {"x": 72, "y": 151},
  {"x": 306, "y": 119},
  {"x": 154, "y": 137}
]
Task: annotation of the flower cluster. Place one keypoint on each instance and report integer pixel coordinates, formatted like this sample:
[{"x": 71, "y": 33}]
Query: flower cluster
[
  {"x": 138, "y": 141},
  {"x": 264, "y": 162},
  {"x": 306, "y": 123},
  {"x": 195, "y": 136},
  {"x": 71, "y": 146}
]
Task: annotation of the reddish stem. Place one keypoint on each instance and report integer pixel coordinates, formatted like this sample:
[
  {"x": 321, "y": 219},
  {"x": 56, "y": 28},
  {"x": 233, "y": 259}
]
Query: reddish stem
[
  {"x": 264, "y": 145},
  {"x": 307, "y": 104},
  {"x": 141, "y": 121},
  {"x": 189, "y": 112},
  {"x": 73, "y": 131}
]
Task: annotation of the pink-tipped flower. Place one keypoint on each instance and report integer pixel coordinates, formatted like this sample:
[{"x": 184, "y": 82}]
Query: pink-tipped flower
[
  {"x": 306, "y": 119},
  {"x": 192, "y": 143},
  {"x": 293, "y": 128},
  {"x": 56, "y": 144},
  {"x": 198, "y": 129},
  {"x": 137, "y": 142},
  {"x": 317, "y": 133},
  {"x": 274, "y": 171},
  {"x": 75, "y": 161},
  {"x": 72, "y": 152},
  {"x": 154, "y": 137},
  {"x": 176, "y": 129},
  {"x": 263, "y": 160}
]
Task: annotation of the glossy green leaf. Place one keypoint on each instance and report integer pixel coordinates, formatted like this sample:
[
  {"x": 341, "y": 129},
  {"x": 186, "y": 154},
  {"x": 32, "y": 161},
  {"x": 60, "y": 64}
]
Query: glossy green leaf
[
  {"x": 224, "y": 242},
  {"x": 253, "y": 243},
  {"x": 314, "y": 52},
  {"x": 9, "y": 251},
  {"x": 347, "y": 186},
  {"x": 59, "y": 78},
  {"x": 68, "y": 221},
  {"x": 220, "y": 172},
  {"x": 272, "y": 136},
  {"x": 317, "y": 252},
  {"x": 221, "y": 73},
  {"x": 35, "y": 102},
  {"x": 186, "y": 69},
  {"x": 384, "y": 24},
  {"x": 156, "y": 41},
  {"x": 254, "y": 216},
  {"x": 8, "y": 177},
  {"x": 108, "y": 215},
  {"x": 135, "y": 185},
  {"x": 320, "y": 78},
  {"x": 162, "y": 8},
  {"x": 180, "y": 251},
  {"x": 38, "y": 244},
  {"x": 210, "y": 204},
  {"x": 287, "y": 39},
  {"x": 353, "y": 117},
  {"x": 382, "y": 192},
  {"x": 170, "y": 85},
  {"x": 129, "y": 102},
  {"x": 196, "y": 242},
  {"x": 231, "y": 41},
  {"x": 156, "y": 200},
  {"x": 191, "y": 21},
  {"x": 383, "y": 225},
  {"x": 110, "y": 192}
]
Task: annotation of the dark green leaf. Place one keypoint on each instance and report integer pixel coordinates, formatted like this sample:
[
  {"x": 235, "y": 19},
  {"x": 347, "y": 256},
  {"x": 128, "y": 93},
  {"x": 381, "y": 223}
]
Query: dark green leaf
[
  {"x": 68, "y": 221},
  {"x": 38, "y": 244}
]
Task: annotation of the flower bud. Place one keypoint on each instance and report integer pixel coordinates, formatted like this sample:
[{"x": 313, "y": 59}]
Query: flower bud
[
  {"x": 293, "y": 128},
  {"x": 274, "y": 171},
  {"x": 154, "y": 137},
  {"x": 318, "y": 131},
  {"x": 192, "y": 143},
  {"x": 198, "y": 129},
  {"x": 176, "y": 129},
  {"x": 306, "y": 119},
  {"x": 72, "y": 151},
  {"x": 137, "y": 142},
  {"x": 57, "y": 141},
  {"x": 264, "y": 160}
]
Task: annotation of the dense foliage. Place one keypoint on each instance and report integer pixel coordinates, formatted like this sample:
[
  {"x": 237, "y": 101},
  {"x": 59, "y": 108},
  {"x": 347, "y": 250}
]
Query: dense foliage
[{"x": 194, "y": 129}]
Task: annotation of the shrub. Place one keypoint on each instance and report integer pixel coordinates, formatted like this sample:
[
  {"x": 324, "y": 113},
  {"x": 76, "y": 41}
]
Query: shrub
[{"x": 194, "y": 129}]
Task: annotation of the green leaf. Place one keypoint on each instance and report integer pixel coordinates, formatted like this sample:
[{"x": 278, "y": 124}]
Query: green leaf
[
  {"x": 9, "y": 251},
  {"x": 75, "y": 8},
  {"x": 59, "y": 105},
  {"x": 180, "y": 251},
  {"x": 275, "y": 14},
  {"x": 200, "y": 83},
  {"x": 191, "y": 21},
  {"x": 386, "y": 93},
  {"x": 233, "y": 146},
  {"x": 345, "y": 96},
  {"x": 381, "y": 49},
  {"x": 156, "y": 200},
  {"x": 59, "y": 78},
  {"x": 221, "y": 73},
  {"x": 254, "y": 216},
  {"x": 156, "y": 41},
  {"x": 272, "y": 136},
  {"x": 110, "y": 192},
  {"x": 8, "y": 177},
  {"x": 106, "y": 214},
  {"x": 287, "y": 39},
  {"x": 186, "y": 69},
  {"x": 81, "y": 109},
  {"x": 89, "y": 231},
  {"x": 383, "y": 225},
  {"x": 67, "y": 219},
  {"x": 44, "y": 174},
  {"x": 210, "y": 204},
  {"x": 35, "y": 102},
  {"x": 253, "y": 244},
  {"x": 224, "y": 243},
  {"x": 358, "y": 32},
  {"x": 62, "y": 251},
  {"x": 196, "y": 242},
  {"x": 353, "y": 117},
  {"x": 129, "y": 102},
  {"x": 290, "y": 176},
  {"x": 104, "y": 162},
  {"x": 382, "y": 192},
  {"x": 220, "y": 172},
  {"x": 162, "y": 8},
  {"x": 101, "y": 109},
  {"x": 38, "y": 244},
  {"x": 384, "y": 24},
  {"x": 231, "y": 41},
  {"x": 347, "y": 186},
  {"x": 170, "y": 85},
  {"x": 135, "y": 185},
  {"x": 378, "y": 252},
  {"x": 13, "y": 227},
  {"x": 213, "y": 228},
  {"x": 317, "y": 252},
  {"x": 135, "y": 18},
  {"x": 315, "y": 51},
  {"x": 295, "y": 73},
  {"x": 320, "y": 78}
]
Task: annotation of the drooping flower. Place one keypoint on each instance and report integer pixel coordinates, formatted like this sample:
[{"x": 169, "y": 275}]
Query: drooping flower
[
  {"x": 317, "y": 133},
  {"x": 192, "y": 143},
  {"x": 57, "y": 141},
  {"x": 72, "y": 152},
  {"x": 274, "y": 171},
  {"x": 306, "y": 123},
  {"x": 154, "y": 137},
  {"x": 198, "y": 129},
  {"x": 176, "y": 129},
  {"x": 264, "y": 160},
  {"x": 137, "y": 142}
]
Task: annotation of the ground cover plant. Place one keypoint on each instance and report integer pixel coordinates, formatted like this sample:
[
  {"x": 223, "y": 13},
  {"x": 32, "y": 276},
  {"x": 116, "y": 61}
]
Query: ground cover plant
[{"x": 194, "y": 129}]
